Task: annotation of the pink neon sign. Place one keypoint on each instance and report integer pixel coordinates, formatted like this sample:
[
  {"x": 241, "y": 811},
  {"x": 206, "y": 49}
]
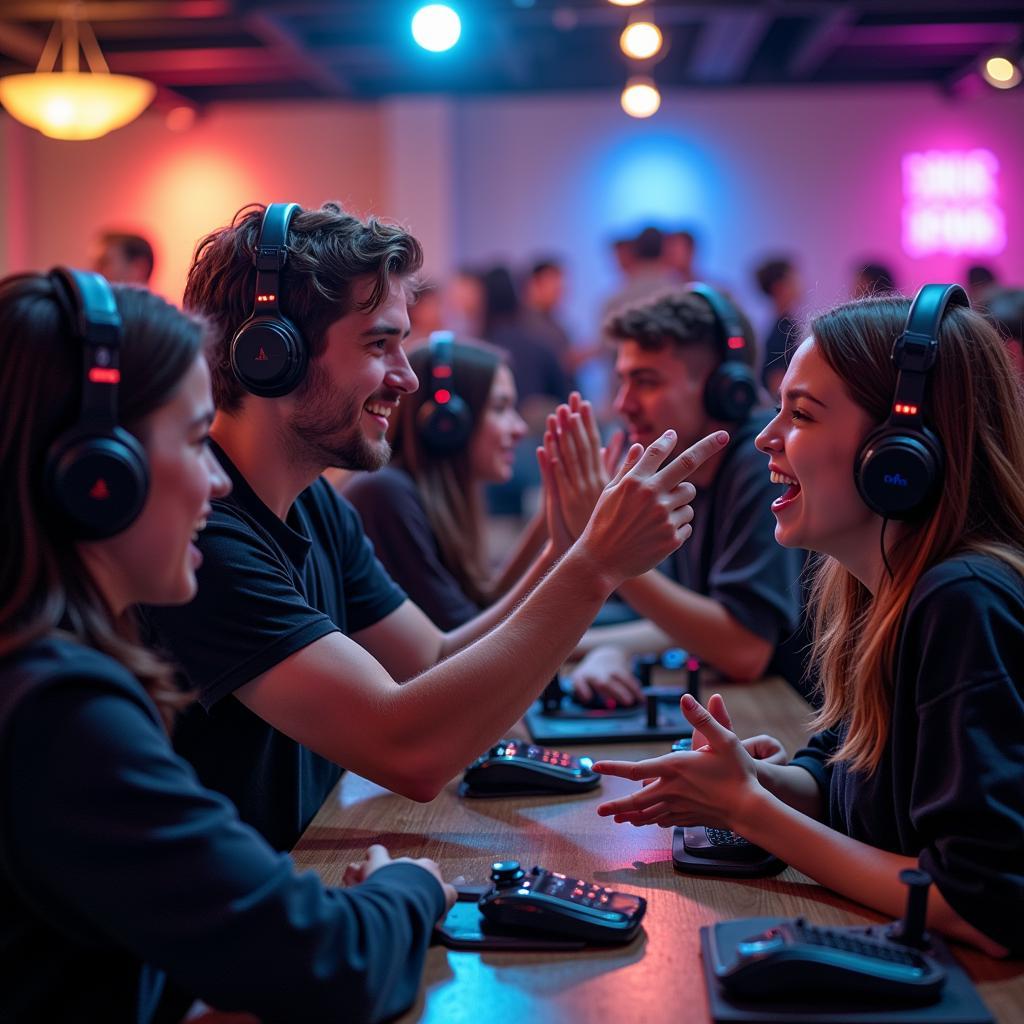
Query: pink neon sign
[{"x": 951, "y": 203}]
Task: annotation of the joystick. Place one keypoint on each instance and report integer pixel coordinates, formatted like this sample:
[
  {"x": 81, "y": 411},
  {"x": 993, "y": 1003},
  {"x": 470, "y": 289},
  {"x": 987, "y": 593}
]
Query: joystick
[
  {"x": 910, "y": 930},
  {"x": 506, "y": 873}
]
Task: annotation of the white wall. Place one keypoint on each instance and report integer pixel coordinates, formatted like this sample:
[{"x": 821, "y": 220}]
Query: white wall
[{"x": 812, "y": 172}]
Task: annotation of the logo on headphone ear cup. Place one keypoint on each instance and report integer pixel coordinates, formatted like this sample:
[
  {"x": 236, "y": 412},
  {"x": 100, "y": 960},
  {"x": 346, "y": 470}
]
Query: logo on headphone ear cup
[
  {"x": 899, "y": 473},
  {"x": 99, "y": 480},
  {"x": 269, "y": 356}
]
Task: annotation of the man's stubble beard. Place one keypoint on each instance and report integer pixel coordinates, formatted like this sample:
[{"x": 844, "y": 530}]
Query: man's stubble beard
[{"x": 324, "y": 432}]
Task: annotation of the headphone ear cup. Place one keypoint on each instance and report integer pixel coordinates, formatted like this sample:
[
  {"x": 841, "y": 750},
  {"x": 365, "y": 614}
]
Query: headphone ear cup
[
  {"x": 444, "y": 429},
  {"x": 98, "y": 481},
  {"x": 731, "y": 392},
  {"x": 898, "y": 474},
  {"x": 269, "y": 356}
]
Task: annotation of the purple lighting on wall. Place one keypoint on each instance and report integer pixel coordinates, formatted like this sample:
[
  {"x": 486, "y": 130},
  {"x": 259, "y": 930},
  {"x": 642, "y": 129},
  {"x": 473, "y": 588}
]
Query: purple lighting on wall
[{"x": 951, "y": 203}]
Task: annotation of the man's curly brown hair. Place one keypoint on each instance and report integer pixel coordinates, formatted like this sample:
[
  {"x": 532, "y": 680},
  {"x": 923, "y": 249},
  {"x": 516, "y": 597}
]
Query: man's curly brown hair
[{"x": 328, "y": 251}]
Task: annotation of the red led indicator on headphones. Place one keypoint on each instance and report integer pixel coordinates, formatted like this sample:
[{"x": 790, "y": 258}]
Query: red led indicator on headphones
[
  {"x": 266, "y": 298},
  {"x": 905, "y": 410},
  {"x": 99, "y": 490},
  {"x": 442, "y": 371},
  {"x": 104, "y": 375},
  {"x": 736, "y": 342},
  {"x": 442, "y": 397}
]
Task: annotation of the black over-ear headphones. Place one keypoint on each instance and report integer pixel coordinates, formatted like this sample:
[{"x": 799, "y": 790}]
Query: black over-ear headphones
[
  {"x": 731, "y": 391},
  {"x": 96, "y": 472},
  {"x": 268, "y": 353},
  {"x": 444, "y": 420},
  {"x": 899, "y": 466}
]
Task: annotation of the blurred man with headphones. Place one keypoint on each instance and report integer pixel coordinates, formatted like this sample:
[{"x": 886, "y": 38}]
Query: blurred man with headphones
[
  {"x": 298, "y": 639},
  {"x": 732, "y": 595}
]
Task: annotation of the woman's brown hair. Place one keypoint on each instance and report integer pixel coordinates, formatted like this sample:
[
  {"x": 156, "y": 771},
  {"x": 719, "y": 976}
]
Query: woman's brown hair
[
  {"x": 450, "y": 495},
  {"x": 974, "y": 404},
  {"x": 44, "y": 585}
]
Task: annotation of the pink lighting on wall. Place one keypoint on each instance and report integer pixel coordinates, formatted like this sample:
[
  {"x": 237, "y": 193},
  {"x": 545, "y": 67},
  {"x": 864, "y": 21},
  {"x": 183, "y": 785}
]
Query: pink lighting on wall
[{"x": 951, "y": 203}]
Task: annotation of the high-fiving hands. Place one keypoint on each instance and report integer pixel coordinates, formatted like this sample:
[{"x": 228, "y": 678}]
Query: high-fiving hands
[
  {"x": 644, "y": 514},
  {"x": 581, "y": 467}
]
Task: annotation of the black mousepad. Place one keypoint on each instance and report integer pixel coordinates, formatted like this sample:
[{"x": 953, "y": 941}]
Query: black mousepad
[
  {"x": 572, "y": 723},
  {"x": 959, "y": 1002},
  {"x": 465, "y": 928},
  {"x": 466, "y": 790},
  {"x": 759, "y": 864}
]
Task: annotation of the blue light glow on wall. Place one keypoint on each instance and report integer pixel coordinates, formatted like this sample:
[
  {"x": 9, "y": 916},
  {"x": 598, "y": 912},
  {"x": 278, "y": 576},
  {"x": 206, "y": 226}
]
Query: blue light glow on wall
[{"x": 660, "y": 179}]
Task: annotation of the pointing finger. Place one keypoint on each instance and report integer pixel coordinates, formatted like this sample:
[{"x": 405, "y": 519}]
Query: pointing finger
[{"x": 693, "y": 458}]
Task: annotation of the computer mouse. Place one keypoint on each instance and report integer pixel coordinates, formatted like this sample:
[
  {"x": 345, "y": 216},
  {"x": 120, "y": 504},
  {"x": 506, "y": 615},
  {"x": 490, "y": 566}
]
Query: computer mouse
[{"x": 516, "y": 768}]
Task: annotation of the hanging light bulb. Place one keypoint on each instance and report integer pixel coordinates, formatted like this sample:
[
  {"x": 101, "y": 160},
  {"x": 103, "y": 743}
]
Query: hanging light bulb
[
  {"x": 1001, "y": 72},
  {"x": 640, "y": 40},
  {"x": 641, "y": 98},
  {"x": 626, "y": 3},
  {"x": 73, "y": 104}
]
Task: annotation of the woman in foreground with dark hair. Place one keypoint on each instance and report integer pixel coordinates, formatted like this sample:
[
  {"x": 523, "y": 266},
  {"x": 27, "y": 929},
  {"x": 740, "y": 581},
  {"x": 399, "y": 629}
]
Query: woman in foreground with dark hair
[
  {"x": 127, "y": 888},
  {"x": 919, "y": 630}
]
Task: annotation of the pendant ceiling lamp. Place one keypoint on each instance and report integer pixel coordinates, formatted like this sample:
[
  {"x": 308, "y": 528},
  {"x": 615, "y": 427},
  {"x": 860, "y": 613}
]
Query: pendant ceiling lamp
[{"x": 73, "y": 104}]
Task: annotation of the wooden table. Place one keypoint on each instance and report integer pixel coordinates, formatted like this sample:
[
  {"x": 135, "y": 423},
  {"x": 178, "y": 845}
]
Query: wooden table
[{"x": 655, "y": 979}]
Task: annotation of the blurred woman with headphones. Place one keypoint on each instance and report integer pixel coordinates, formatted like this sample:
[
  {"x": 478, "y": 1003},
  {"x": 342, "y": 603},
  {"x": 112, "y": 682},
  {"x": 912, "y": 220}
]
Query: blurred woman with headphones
[
  {"x": 128, "y": 889},
  {"x": 424, "y": 511},
  {"x": 901, "y": 440}
]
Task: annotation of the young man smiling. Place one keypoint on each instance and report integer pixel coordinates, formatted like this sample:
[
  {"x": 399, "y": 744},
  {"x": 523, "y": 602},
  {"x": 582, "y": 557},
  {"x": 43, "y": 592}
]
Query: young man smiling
[
  {"x": 297, "y": 636},
  {"x": 732, "y": 595}
]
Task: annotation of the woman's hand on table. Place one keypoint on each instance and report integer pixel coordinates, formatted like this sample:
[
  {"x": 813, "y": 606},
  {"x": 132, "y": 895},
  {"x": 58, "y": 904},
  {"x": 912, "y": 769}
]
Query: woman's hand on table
[
  {"x": 763, "y": 748},
  {"x": 714, "y": 784}
]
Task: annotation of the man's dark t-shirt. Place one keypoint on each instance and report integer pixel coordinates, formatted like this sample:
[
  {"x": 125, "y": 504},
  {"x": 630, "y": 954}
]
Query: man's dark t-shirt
[
  {"x": 267, "y": 589},
  {"x": 949, "y": 788}
]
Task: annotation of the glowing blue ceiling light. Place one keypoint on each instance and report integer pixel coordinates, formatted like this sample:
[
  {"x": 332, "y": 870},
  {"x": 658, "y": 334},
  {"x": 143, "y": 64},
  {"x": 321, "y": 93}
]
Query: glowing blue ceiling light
[{"x": 436, "y": 27}]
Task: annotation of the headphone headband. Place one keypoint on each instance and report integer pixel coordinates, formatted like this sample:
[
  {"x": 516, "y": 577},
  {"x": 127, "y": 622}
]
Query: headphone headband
[
  {"x": 731, "y": 391},
  {"x": 270, "y": 256},
  {"x": 728, "y": 326},
  {"x": 88, "y": 304},
  {"x": 914, "y": 352}
]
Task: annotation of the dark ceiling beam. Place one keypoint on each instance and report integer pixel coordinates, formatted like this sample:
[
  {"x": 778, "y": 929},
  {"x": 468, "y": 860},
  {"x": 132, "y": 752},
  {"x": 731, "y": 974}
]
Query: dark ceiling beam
[
  {"x": 237, "y": 59},
  {"x": 726, "y": 43},
  {"x": 123, "y": 10},
  {"x": 21, "y": 44},
  {"x": 288, "y": 48},
  {"x": 964, "y": 35},
  {"x": 823, "y": 39},
  {"x": 158, "y": 29}
]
